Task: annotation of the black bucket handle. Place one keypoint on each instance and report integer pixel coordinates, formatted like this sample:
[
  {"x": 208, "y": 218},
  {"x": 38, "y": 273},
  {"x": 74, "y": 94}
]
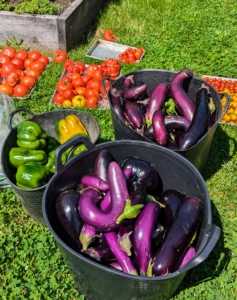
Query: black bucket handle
[
  {"x": 213, "y": 234},
  {"x": 103, "y": 85},
  {"x": 9, "y": 123},
  {"x": 74, "y": 142}
]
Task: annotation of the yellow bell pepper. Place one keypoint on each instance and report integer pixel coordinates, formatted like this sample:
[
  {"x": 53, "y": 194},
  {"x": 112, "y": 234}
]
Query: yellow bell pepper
[
  {"x": 78, "y": 101},
  {"x": 69, "y": 126}
]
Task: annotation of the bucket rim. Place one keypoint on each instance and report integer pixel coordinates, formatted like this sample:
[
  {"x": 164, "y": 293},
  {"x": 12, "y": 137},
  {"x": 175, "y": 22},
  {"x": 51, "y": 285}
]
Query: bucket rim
[{"x": 97, "y": 147}]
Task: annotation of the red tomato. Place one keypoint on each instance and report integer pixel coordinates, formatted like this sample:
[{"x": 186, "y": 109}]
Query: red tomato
[
  {"x": 62, "y": 86},
  {"x": 12, "y": 78},
  {"x": 75, "y": 75},
  {"x": 28, "y": 62},
  {"x": 78, "y": 82},
  {"x": 9, "y": 51},
  {"x": 81, "y": 90},
  {"x": 91, "y": 68},
  {"x": 33, "y": 72},
  {"x": 7, "y": 68},
  {"x": 34, "y": 54},
  {"x": 91, "y": 102},
  {"x": 86, "y": 78},
  {"x": 98, "y": 74},
  {"x": 20, "y": 90},
  {"x": 21, "y": 73},
  {"x": 38, "y": 65},
  {"x": 68, "y": 94},
  {"x": 91, "y": 93},
  {"x": 94, "y": 84},
  {"x": 4, "y": 58},
  {"x": 28, "y": 81},
  {"x": 74, "y": 66},
  {"x": 109, "y": 36},
  {"x": 44, "y": 59},
  {"x": 18, "y": 62},
  {"x": 132, "y": 60},
  {"x": 58, "y": 99},
  {"x": 66, "y": 79},
  {"x": 59, "y": 56},
  {"x": 138, "y": 53},
  {"x": 6, "y": 89},
  {"x": 22, "y": 54}
]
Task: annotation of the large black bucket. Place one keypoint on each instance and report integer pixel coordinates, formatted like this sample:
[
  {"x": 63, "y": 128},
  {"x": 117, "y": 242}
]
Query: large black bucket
[
  {"x": 32, "y": 199},
  {"x": 199, "y": 152},
  {"x": 97, "y": 281}
]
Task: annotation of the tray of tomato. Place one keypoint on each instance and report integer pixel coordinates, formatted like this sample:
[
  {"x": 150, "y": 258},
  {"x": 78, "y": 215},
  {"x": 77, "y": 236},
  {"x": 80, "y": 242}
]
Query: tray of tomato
[
  {"x": 103, "y": 50},
  {"x": 227, "y": 86},
  {"x": 80, "y": 85},
  {"x": 20, "y": 70}
]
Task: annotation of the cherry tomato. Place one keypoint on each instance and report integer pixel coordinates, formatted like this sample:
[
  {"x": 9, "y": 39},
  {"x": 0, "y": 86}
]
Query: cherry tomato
[
  {"x": 18, "y": 62},
  {"x": 22, "y": 54},
  {"x": 44, "y": 59},
  {"x": 9, "y": 51},
  {"x": 91, "y": 102},
  {"x": 94, "y": 84},
  {"x": 28, "y": 81},
  {"x": 59, "y": 56},
  {"x": 20, "y": 90},
  {"x": 6, "y": 89},
  {"x": 34, "y": 54}
]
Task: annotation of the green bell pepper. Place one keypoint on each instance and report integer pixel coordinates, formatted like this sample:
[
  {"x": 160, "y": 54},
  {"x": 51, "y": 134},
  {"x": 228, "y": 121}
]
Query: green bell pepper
[
  {"x": 30, "y": 135},
  {"x": 51, "y": 161},
  {"x": 51, "y": 144},
  {"x": 19, "y": 156},
  {"x": 31, "y": 175}
]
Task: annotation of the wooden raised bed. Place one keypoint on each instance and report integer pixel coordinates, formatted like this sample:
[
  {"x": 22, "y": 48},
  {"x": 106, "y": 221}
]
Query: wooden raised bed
[{"x": 51, "y": 32}]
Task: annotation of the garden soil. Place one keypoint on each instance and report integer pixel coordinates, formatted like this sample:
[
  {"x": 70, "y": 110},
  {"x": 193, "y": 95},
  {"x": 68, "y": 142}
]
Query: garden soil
[{"x": 64, "y": 4}]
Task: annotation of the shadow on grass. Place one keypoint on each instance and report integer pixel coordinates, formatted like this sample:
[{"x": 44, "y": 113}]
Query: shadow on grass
[
  {"x": 219, "y": 152},
  {"x": 214, "y": 265}
]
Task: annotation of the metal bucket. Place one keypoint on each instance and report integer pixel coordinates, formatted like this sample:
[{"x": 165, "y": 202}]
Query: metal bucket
[
  {"x": 32, "y": 199},
  {"x": 197, "y": 154},
  {"x": 97, "y": 281}
]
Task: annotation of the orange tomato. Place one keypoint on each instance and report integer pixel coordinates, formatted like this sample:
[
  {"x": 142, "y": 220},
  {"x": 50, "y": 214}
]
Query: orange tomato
[
  {"x": 78, "y": 82},
  {"x": 91, "y": 102},
  {"x": 81, "y": 90},
  {"x": 75, "y": 75},
  {"x": 94, "y": 84}
]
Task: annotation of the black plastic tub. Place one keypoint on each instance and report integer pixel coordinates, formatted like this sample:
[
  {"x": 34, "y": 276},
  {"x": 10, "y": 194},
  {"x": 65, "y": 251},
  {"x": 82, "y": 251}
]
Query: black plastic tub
[
  {"x": 97, "y": 281},
  {"x": 32, "y": 199},
  {"x": 197, "y": 154}
]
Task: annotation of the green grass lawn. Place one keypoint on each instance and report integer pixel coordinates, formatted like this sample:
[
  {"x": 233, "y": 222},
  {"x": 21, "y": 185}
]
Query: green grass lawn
[{"x": 198, "y": 34}]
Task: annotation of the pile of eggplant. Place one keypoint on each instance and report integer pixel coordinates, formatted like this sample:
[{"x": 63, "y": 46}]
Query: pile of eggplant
[
  {"x": 168, "y": 117},
  {"x": 119, "y": 216}
]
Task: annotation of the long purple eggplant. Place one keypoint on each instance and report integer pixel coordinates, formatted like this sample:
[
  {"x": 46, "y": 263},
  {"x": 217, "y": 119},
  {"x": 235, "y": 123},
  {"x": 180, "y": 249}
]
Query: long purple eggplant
[
  {"x": 134, "y": 92},
  {"x": 171, "y": 198},
  {"x": 67, "y": 213},
  {"x": 120, "y": 203},
  {"x": 95, "y": 182},
  {"x": 158, "y": 95},
  {"x": 134, "y": 114},
  {"x": 188, "y": 255},
  {"x": 176, "y": 122},
  {"x": 142, "y": 236},
  {"x": 183, "y": 102},
  {"x": 101, "y": 164},
  {"x": 116, "y": 103},
  {"x": 160, "y": 133},
  {"x": 142, "y": 172},
  {"x": 123, "y": 259},
  {"x": 200, "y": 121},
  {"x": 178, "y": 236},
  {"x": 128, "y": 82}
]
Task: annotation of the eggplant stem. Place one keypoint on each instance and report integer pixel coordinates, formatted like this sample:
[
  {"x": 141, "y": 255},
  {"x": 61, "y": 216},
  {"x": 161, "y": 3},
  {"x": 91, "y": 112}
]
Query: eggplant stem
[
  {"x": 149, "y": 268},
  {"x": 130, "y": 211},
  {"x": 151, "y": 198},
  {"x": 125, "y": 243}
]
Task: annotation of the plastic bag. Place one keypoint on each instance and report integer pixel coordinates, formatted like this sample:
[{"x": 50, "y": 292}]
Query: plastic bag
[{"x": 6, "y": 107}]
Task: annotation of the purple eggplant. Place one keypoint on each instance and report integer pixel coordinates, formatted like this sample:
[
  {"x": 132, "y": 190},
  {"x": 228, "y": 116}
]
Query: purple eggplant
[
  {"x": 123, "y": 259},
  {"x": 142, "y": 236},
  {"x": 87, "y": 235},
  {"x": 133, "y": 92},
  {"x": 142, "y": 172},
  {"x": 101, "y": 164},
  {"x": 158, "y": 95},
  {"x": 115, "y": 265},
  {"x": 188, "y": 255},
  {"x": 183, "y": 102},
  {"x": 178, "y": 236},
  {"x": 160, "y": 133},
  {"x": 120, "y": 203},
  {"x": 116, "y": 103},
  {"x": 144, "y": 95},
  {"x": 149, "y": 133},
  {"x": 95, "y": 182},
  {"x": 134, "y": 113},
  {"x": 67, "y": 213},
  {"x": 171, "y": 199},
  {"x": 157, "y": 235},
  {"x": 176, "y": 122},
  {"x": 128, "y": 82},
  {"x": 137, "y": 193},
  {"x": 124, "y": 236},
  {"x": 200, "y": 121}
]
